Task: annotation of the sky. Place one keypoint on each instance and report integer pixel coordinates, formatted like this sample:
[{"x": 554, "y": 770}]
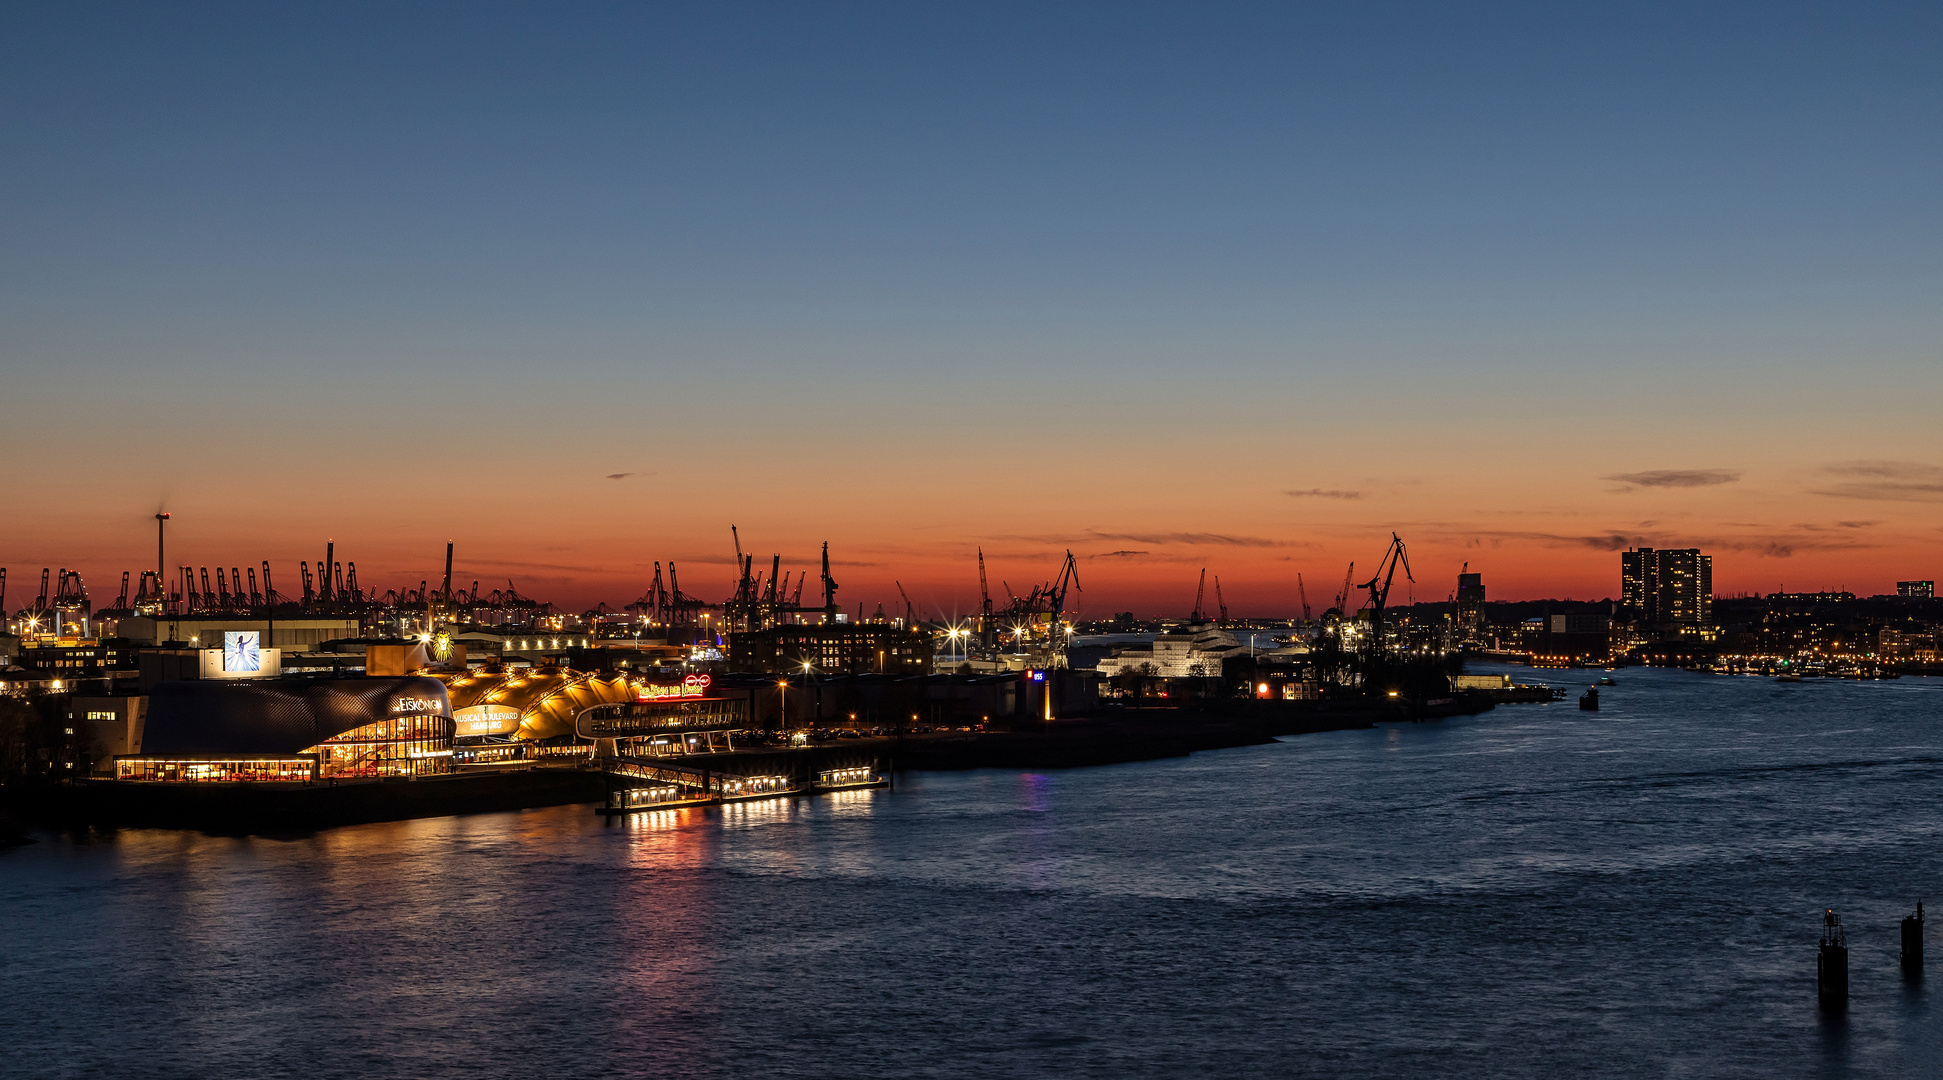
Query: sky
[{"x": 1242, "y": 287}]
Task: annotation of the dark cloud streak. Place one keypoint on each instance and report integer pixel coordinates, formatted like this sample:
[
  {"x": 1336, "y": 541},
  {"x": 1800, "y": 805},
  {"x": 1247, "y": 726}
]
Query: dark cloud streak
[
  {"x": 1677, "y": 478},
  {"x": 1885, "y": 481}
]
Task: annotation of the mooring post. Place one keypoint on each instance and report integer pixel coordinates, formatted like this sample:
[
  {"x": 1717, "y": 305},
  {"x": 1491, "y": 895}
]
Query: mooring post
[
  {"x": 1832, "y": 963},
  {"x": 1913, "y": 944}
]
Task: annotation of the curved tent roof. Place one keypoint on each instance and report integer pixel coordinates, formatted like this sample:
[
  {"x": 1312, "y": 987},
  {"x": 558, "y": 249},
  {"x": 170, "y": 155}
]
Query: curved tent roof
[{"x": 548, "y": 700}]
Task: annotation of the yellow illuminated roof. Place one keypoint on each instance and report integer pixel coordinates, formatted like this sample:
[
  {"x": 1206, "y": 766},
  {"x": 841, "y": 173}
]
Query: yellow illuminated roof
[{"x": 548, "y": 699}]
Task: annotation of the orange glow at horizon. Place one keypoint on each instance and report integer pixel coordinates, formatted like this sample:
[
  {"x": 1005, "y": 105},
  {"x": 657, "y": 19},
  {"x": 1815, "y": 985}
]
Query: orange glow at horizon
[{"x": 584, "y": 539}]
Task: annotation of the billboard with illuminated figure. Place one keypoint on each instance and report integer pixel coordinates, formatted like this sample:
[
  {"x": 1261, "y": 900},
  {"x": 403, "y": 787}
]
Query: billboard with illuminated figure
[
  {"x": 241, "y": 652},
  {"x": 243, "y": 656}
]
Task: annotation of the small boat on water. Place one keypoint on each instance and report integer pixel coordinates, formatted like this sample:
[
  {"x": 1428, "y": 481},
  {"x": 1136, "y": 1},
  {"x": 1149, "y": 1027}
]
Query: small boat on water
[
  {"x": 1589, "y": 701},
  {"x": 1606, "y": 680},
  {"x": 1789, "y": 677}
]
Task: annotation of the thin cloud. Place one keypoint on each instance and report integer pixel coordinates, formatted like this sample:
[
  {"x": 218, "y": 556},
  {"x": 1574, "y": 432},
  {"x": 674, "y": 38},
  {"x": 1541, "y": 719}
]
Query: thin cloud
[
  {"x": 1812, "y": 527},
  {"x": 1323, "y": 493},
  {"x": 1117, "y": 555},
  {"x": 1776, "y": 546},
  {"x": 1677, "y": 478},
  {"x": 619, "y": 475},
  {"x": 1164, "y": 539},
  {"x": 1191, "y": 538},
  {"x": 1885, "y": 481}
]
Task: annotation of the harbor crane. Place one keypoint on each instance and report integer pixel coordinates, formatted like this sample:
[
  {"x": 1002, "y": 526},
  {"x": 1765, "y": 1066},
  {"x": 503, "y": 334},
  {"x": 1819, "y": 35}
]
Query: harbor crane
[
  {"x": 1379, "y": 587},
  {"x": 1302, "y": 591},
  {"x": 829, "y": 589},
  {"x": 1220, "y": 604},
  {"x": 986, "y": 631},
  {"x": 1045, "y": 603},
  {"x": 1342, "y": 598},
  {"x": 1200, "y": 591},
  {"x": 910, "y": 616}
]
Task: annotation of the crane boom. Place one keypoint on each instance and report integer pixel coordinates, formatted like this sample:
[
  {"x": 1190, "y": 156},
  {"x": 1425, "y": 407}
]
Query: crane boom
[
  {"x": 1219, "y": 603},
  {"x": 1199, "y": 591},
  {"x": 1303, "y": 591}
]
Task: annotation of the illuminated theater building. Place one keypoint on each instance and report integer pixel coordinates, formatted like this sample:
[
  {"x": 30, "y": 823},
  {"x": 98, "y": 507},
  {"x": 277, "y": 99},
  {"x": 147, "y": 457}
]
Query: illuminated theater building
[
  {"x": 293, "y": 730},
  {"x": 517, "y": 715}
]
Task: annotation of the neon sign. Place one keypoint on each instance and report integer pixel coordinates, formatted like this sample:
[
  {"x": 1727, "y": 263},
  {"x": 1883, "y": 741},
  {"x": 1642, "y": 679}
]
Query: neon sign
[
  {"x": 693, "y": 686},
  {"x": 406, "y": 705}
]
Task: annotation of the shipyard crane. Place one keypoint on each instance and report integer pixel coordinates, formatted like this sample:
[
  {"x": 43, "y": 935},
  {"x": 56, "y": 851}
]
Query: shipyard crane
[
  {"x": 1342, "y": 598},
  {"x": 1219, "y": 603},
  {"x": 1379, "y": 587},
  {"x": 1199, "y": 592},
  {"x": 738, "y": 606},
  {"x": 910, "y": 615},
  {"x": 1068, "y": 575},
  {"x": 829, "y": 589},
  {"x": 985, "y": 629},
  {"x": 121, "y": 602},
  {"x": 3, "y": 595},
  {"x": 1303, "y": 591}
]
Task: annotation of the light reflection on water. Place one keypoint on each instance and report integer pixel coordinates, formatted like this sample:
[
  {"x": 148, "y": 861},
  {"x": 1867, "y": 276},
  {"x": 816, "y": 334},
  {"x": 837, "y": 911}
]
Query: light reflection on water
[{"x": 1533, "y": 892}]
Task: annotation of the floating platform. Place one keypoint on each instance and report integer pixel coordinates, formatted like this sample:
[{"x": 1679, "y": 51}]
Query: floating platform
[{"x": 635, "y": 784}]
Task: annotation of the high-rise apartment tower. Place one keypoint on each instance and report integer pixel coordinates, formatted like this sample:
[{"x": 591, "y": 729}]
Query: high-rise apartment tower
[{"x": 1669, "y": 586}]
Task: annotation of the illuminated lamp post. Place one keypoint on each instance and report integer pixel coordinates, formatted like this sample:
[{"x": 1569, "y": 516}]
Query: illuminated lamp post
[{"x": 807, "y": 677}]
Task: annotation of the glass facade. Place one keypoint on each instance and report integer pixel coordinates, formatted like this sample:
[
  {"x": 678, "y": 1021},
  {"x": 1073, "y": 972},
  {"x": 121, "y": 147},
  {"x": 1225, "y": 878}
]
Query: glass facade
[
  {"x": 216, "y": 770},
  {"x": 412, "y": 745}
]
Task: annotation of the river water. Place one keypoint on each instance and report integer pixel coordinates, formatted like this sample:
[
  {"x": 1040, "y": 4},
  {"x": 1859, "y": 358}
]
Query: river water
[{"x": 1535, "y": 891}]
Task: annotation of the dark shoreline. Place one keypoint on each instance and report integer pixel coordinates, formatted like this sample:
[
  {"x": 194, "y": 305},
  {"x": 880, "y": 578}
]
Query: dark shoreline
[{"x": 1114, "y": 736}]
